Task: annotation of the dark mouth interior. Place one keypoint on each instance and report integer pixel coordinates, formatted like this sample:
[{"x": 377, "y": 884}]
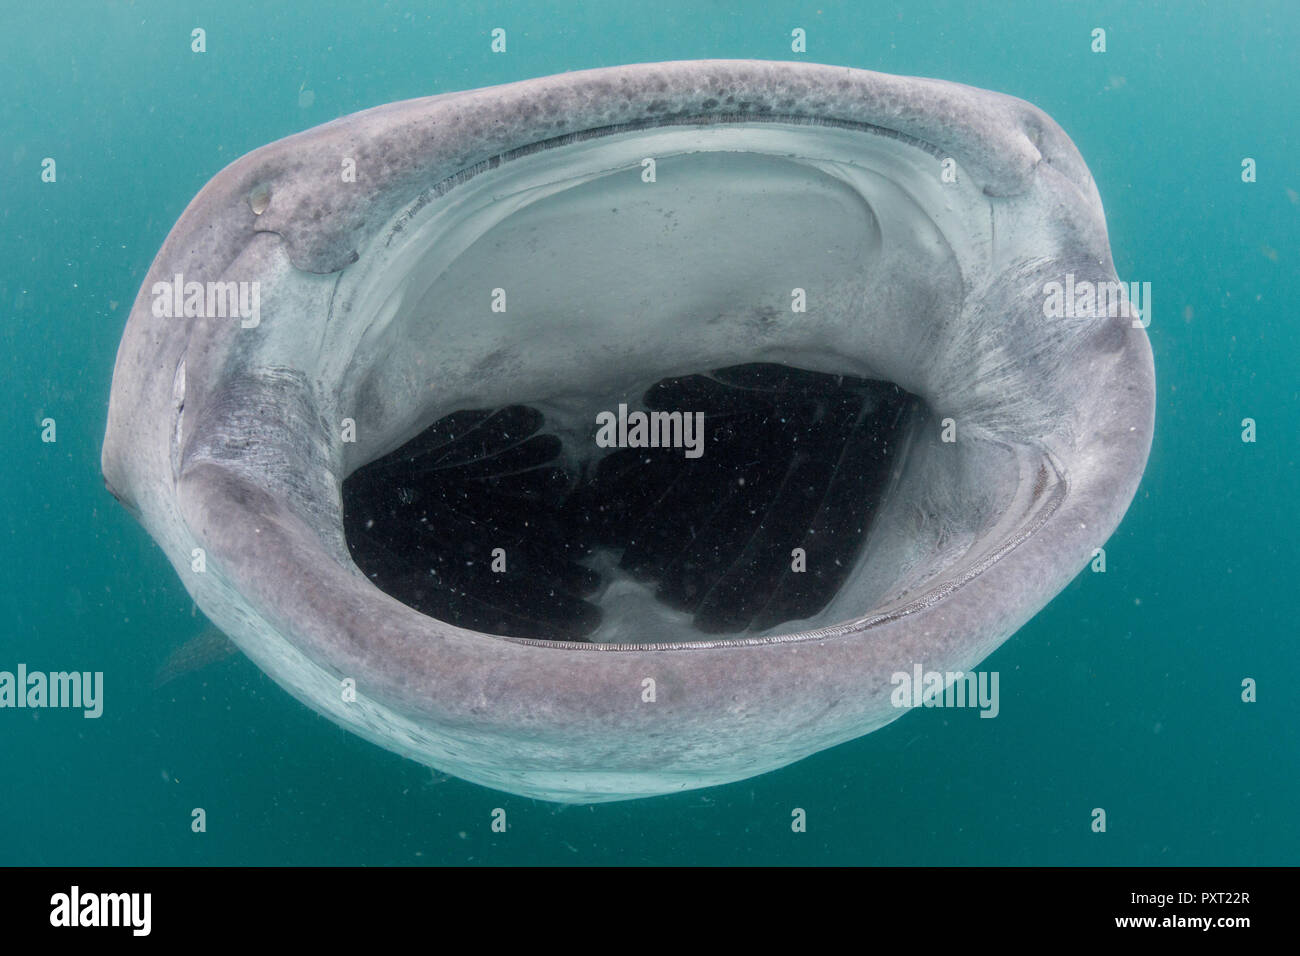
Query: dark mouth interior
[{"x": 491, "y": 521}]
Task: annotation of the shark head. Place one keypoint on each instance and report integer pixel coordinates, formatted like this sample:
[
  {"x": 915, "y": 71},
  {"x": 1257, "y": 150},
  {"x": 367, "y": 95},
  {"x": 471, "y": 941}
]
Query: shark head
[{"x": 397, "y": 400}]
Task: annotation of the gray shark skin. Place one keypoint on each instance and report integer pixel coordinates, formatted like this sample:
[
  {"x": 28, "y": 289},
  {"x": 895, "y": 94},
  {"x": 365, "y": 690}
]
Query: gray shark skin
[{"x": 226, "y": 439}]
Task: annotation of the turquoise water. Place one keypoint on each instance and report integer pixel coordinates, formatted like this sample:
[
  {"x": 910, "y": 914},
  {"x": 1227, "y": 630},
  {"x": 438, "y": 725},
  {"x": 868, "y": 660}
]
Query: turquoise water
[{"x": 1124, "y": 693}]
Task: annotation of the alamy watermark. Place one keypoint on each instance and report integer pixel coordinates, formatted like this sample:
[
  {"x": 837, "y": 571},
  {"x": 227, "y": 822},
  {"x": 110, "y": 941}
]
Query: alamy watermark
[
  {"x": 1085, "y": 299},
  {"x": 651, "y": 430},
  {"x": 923, "y": 688},
  {"x": 128, "y": 910},
  {"x": 80, "y": 690},
  {"x": 208, "y": 300}
]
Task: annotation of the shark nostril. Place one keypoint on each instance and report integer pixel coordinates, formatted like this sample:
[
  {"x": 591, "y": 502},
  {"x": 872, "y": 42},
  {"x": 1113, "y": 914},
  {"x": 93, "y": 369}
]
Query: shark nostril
[{"x": 259, "y": 198}]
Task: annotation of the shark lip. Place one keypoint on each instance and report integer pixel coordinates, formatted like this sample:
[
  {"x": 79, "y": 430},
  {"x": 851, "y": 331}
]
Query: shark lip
[{"x": 581, "y": 244}]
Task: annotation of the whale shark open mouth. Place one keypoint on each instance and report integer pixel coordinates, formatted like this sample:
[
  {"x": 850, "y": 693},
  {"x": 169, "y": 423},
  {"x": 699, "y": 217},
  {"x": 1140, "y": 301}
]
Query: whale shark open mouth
[
  {"x": 615, "y": 293},
  {"x": 745, "y": 374}
]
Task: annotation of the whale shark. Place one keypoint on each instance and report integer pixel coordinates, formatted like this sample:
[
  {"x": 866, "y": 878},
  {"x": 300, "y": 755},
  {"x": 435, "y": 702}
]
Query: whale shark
[{"x": 627, "y": 431}]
